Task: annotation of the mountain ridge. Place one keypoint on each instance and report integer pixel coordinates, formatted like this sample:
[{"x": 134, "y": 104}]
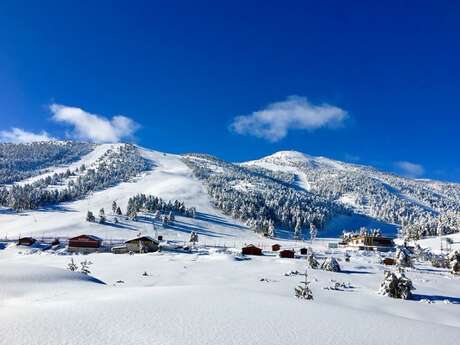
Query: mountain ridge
[{"x": 288, "y": 188}]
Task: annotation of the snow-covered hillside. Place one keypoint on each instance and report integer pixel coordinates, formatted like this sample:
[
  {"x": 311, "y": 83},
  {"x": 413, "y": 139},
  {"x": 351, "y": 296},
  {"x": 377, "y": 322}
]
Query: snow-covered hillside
[
  {"x": 423, "y": 207},
  {"x": 288, "y": 189},
  {"x": 168, "y": 178},
  {"x": 211, "y": 294}
]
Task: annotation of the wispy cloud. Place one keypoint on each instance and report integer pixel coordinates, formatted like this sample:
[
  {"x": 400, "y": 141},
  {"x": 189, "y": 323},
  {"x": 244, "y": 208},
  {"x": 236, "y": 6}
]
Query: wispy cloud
[
  {"x": 18, "y": 135},
  {"x": 410, "y": 169},
  {"x": 274, "y": 122},
  {"x": 93, "y": 127}
]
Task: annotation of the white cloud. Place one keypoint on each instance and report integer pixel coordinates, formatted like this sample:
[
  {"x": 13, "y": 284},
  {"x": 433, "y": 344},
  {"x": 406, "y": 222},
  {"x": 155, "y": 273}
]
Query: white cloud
[
  {"x": 274, "y": 122},
  {"x": 92, "y": 127},
  {"x": 18, "y": 135},
  {"x": 410, "y": 169}
]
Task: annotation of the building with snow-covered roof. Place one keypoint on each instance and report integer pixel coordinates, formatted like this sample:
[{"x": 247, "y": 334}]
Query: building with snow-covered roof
[{"x": 142, "y": 244}]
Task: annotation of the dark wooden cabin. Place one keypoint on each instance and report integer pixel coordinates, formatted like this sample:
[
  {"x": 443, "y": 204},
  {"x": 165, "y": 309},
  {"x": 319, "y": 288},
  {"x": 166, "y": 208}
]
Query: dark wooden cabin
[
  {"x": 303, "y": 251},
  {"x": 275, "y": 247},
  {"x": 84, "y": 243},
  {"x": 251, "y": 250},
  {"x": 287, "y": 253},
  {"x": 26, "y": 241}
]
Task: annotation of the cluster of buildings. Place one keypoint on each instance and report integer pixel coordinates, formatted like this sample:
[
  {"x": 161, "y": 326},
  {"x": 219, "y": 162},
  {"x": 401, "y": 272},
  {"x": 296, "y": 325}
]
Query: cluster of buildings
[
  {"x": 282, "y": 253},
  {"x": 85, "y": 244}
]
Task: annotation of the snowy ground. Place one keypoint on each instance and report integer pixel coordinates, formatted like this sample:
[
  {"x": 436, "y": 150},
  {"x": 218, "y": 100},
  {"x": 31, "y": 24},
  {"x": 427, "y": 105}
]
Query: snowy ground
[{"x": 214, "y": 298}]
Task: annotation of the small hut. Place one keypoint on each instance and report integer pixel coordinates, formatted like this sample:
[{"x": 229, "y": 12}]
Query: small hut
[
  {"x": 84, "y": 244},
  {"x": 26, "y": 241},
  {"x": 142, "y": 244},
  {"x": 251, "y": 250},
  {"x": 303, "y": 251},
  {"x": 287, "y": 253},
  {"x": 275, "y": 247}
]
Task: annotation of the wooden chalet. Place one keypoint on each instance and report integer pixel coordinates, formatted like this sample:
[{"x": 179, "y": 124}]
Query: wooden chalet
[
  {"x": 26, "y": 241},
  {"x": 251, "y": 250},
  {"x": 369, "y": 242},
  {"x": 84, "y": 244},
  {"x": 275, "y": 247},
  {"x": 287, "y": 253},
  {"x": 142, "y": 244}
]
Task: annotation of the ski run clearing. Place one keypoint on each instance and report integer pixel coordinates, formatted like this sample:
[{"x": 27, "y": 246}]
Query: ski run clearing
[{"x": 211, "y": 295}]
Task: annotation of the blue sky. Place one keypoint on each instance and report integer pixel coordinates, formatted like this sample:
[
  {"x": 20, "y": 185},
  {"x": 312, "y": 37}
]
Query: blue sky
[{"x": 358, "y": 81}]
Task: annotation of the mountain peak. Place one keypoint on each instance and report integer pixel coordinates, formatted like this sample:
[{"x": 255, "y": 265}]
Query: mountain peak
[{"x": 290, "y": 155}]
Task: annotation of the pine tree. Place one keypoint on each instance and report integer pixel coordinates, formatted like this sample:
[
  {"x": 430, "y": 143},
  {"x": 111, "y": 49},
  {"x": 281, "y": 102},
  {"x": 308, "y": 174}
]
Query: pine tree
[
  {"x": 396, "y": 285},
  {"x": 330, "y": 264},
  {"x": 271, "y": 229},
  {"x": 193, "y": 238},
  {"x": 454, "y": 259},
  {"x": 313, "y": 232},
  {"x": 85, "y": 267},
  {"x": 114, "y": 207},
  {"x": 403, "y": 256},
  {"x": 102, "y": 218},
  {"x": 312, "y": 262},
  {"x": 90, "y": 217},
  {"x": 72, "y": 266},
  {"x": 298, "y": 230},
  {"x": 303, "y": 290}
]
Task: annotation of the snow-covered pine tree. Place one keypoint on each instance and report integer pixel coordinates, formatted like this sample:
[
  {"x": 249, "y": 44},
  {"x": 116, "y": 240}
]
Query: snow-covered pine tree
[
  {"x": 313, "y": 232},
  {"x": 271, "y": 229},
  {"x": 330, "y": 264},
  {"x": 90, "y": 217},
  {"x": 396, "y": 285},
  {"x": 193, "y": 238},
  {"x": 298, "y": 229},
  {"x": 303, "y": 290},
  {"x": 72, "y": 266},
  {"x": 84, "y": 267},
  {"x": 403, "y": 256},
  {"x": 102, "y": 218},
  {"x": 114, "y": 207},
  {"x": 454, "y": 259},
  {"x": 312, "y": 262}
]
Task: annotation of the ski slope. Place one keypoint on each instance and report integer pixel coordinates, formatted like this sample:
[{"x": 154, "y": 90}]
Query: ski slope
[{"x": 169, "y": 179}]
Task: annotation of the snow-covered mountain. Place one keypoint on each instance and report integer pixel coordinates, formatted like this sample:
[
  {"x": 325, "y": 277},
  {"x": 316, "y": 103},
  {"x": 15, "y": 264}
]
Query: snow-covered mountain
[
  {"x": 55, "y": 184},
  {"x": 198, "y": 296},
  {"x": 422, "y": 206}
]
